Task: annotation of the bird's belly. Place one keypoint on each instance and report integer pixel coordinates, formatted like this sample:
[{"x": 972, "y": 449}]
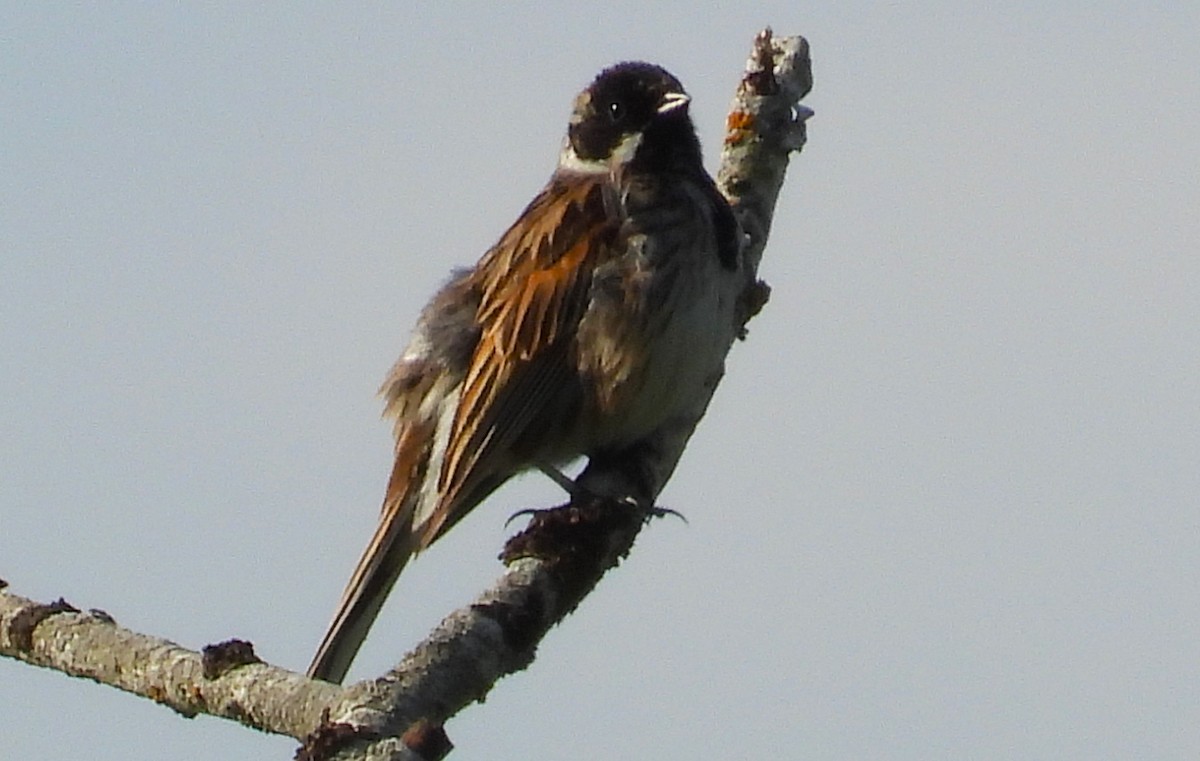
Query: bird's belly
[{"x": 651, "y": 361}]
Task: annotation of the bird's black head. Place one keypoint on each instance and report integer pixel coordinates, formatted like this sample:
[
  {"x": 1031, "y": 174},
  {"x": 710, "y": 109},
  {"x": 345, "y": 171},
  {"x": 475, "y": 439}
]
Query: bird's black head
[{"x": 633, "y": 114}]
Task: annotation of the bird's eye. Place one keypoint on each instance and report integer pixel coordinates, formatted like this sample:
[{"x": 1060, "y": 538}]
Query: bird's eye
[{"x": 616, "y": 110}]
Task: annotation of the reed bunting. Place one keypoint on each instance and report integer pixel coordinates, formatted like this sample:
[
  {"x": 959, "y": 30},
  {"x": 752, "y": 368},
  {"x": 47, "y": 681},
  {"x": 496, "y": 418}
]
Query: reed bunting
[{"x": 585, "y": 330}]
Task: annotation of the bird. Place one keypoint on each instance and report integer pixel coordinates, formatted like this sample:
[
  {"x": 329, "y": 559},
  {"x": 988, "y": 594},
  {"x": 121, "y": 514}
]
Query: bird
[{"x": 587, "y": 328}]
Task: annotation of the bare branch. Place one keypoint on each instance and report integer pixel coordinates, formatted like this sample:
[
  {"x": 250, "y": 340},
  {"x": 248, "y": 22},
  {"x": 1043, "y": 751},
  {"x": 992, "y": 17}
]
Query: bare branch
[
  {"x": 766, "y": 123},
  {"x": 226, "y": 680}
]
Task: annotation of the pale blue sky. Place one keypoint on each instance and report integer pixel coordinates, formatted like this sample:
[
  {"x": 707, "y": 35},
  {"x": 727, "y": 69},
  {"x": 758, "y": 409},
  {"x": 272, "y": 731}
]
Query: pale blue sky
[{"x": 943, "y": 507}]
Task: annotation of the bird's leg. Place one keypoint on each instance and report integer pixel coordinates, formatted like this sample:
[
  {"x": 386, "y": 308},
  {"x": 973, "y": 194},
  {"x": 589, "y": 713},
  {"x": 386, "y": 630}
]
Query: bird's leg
[
  {"x": 616, "y": 477},
  {"x": 624, "y": 476},
  {"x": 557, "y": 476}
]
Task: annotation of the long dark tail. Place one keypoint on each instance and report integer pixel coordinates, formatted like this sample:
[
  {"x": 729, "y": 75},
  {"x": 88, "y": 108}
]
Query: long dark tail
[
  {"x": 374, "y": 576},
  {"x": 393, "y": 543}
]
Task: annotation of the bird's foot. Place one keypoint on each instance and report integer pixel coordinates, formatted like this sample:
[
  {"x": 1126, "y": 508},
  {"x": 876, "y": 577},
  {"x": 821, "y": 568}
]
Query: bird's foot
[
  {"x": 581, "y": 498},
  {"x": 593, "y": 491},
  {"x": 589, "y": 526}
]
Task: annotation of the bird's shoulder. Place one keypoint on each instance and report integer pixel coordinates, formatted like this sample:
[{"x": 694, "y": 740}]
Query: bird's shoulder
[{"x": 533, "y": 281}]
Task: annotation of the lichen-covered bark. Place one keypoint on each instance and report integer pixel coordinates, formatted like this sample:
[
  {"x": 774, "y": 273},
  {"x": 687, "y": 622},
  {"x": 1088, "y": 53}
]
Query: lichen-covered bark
[{"x": 226, "y": 680}]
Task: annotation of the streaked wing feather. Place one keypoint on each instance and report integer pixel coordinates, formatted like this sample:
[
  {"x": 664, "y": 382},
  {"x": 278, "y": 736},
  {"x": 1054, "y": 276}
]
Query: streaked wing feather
[{"x": 534, "y": 284}]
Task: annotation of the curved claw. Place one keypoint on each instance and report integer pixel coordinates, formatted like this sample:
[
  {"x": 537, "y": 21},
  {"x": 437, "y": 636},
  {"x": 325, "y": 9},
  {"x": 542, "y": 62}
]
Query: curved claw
[
  {"x": 519, "y": 513},
  {"x": 661, "y": 512}
]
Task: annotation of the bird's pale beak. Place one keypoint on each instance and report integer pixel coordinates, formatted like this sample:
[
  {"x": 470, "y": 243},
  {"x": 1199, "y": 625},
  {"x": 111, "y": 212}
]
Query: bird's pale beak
[{"x": 672, "y": 101}]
